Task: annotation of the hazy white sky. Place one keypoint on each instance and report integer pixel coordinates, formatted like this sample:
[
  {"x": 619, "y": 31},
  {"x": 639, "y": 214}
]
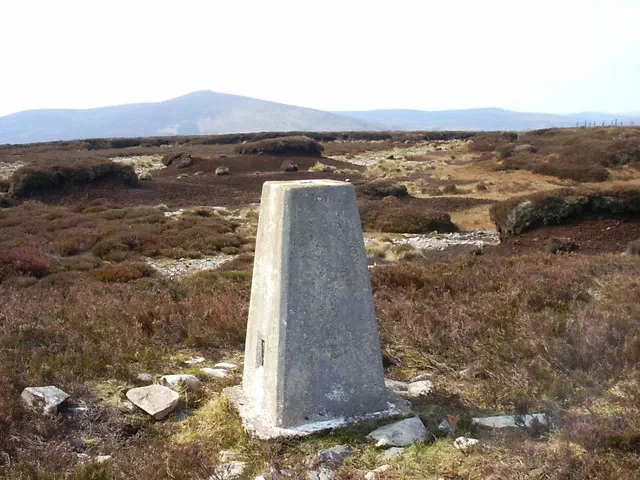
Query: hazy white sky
[{"x": 554, "y": 56}]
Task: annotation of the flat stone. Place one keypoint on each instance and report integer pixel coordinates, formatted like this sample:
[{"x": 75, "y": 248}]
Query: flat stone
[
  {"x": 190, "y": 382},
  {"x": 510, "y": 421},
  {"x": 390, "y": 454},
  {"x": 43, "y": 399},
  {"x": 229, "y": 471},
  {"x": 214, "y": 372},
  {"x": 103, "y": 458},
  {"x": 156, "y": 400},
  {"x": 400, "y": 434},
  {"x": 464, "y": 443},
  {"x": 395, "y": 385},
  {"x": 335, "y": 454},
  {"x": 322, "y": 473},
  {"x": 226, "y": 366},
  {"x": 373, "y": 474},
  {"x": 420, "y": 389},
  {"x": 194, "y": 360}
]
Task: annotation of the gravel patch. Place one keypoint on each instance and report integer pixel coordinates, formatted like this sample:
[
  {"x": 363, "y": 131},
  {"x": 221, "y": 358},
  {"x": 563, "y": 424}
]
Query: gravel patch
[
  {"x": 442, "y": 241},
  {"x": 186, "y": 266}
]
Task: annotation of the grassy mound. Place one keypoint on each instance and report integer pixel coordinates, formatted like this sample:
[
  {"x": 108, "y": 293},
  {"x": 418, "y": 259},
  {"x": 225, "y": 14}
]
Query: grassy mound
[
  {"x": 35, "y": 178},
  {"x": 395, "y": 216},
  {"x": 520, "y": 214},
  {"x": 375, "y": 190},
  {"x": 282, "y": 146}
]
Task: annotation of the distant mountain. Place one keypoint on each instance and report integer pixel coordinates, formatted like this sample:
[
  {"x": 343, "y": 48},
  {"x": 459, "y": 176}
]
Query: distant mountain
[
  {"x": 208, "y": 112},
  {"x": 203, "y": 112},
  {"x": 481, "y": 119}
]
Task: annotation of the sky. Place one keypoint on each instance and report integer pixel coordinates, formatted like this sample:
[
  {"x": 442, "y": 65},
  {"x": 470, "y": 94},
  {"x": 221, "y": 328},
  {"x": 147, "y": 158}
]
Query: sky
[{"x": 561, "y": 56}]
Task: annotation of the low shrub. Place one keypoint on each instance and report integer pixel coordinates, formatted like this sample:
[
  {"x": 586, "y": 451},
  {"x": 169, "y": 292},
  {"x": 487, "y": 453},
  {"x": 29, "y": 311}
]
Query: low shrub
[
  {"x": 36, "y": 178},
  {"x": 24, "y": 260},
  {"x": 282, "y": 146},
  {"x": 375, "y": 190},
  {"x": 122, "y": 272},
  {"x": 395, "y": 216},
  {"x": 520, "y": 214}
]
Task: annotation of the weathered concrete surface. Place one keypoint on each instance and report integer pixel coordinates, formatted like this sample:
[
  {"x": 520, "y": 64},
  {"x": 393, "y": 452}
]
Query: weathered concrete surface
[{"x": 312, "y": 356}]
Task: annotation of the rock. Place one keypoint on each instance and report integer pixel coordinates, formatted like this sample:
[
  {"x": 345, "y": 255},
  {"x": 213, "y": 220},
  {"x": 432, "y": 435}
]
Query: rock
[
  {"x": 190, "y": 382},
  {"x": 400, "y": 434},
  {"x": 169, "y": 158},
  {"x": 374, "y": 473},
  {"x": 510, "y": 421},
  {"x": 145, "y": 176},
  {"x": 223, "y": 171},
  {"x": 225, "y": 455},
  {"x": 143, "y": 379},
  {"x": 156, "y": 400},
  {"x": 185, "y": 161},
  {"x": 396, "y": 386},
  {"x": 43, "y": 399},
  {"x": 334, "y": 455},
  {"x": 526, "y": 148},
  {"x": 103, "y": 458},
  {"x": 322, "y": 473},
  {"x": 214, "y": 372},
  {"x": 419, "y": 389},
  {"x": 226, "y": 366},
  {"x": 260, "y": 477},
  {"x": 194, "y": 360},
  {"x": 420, "y": 377},
  {"x": 228, "y": 471},
  {"x": 445, "y": 427},
  {"x": 464, "y": 443},
  {"x": 289, "y": 167},
  {"x": 390, "y": 453},
  {"x": 127, "y": 406}
]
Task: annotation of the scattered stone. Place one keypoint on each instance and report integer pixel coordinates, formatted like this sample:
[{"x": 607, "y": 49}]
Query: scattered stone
[
  {"x": 194, "y": 360},
  {"x": 396, "y": 386},
  {"x": 103, "y": 458},
  {"x": 143, "y": 379},
  {"x": 464, "y": 443},
  {"x": 156, "y": 400},
  {"x": 510, "y": 421},
  {"x": 185, "y": 266},
  {"x": 145, "y": 177},
  {"x": 190, "y": 382},
  {"x": 334, "y": 455},
  {"x": 223, "y": 171},
  {"x": 214, "y": 372},
  {"x": 373, "y": 474},
  {"x": 226, "y": 366},
  {"x": 419, "y": 389},
  {"x": 43, "y": 399},
  {"x": 400, "y": 434},
  {"x": 322, "y": 473},
  {"x": 390, "y": 454},
  {"x": 442, "y": 241},
  {"x": 229, "y": 471},
  {"x": 445, "y": 427}
]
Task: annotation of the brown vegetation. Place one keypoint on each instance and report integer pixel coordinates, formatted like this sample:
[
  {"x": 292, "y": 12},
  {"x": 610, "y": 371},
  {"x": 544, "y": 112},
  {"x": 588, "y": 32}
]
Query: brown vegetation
[
  {"x": 397, "y": 216},
  {"x": 282, "y": 146}
]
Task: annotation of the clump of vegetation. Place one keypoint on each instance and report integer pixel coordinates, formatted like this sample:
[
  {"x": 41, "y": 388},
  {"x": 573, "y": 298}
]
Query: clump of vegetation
[
  {"x": 321, "y": 167},
  {"x": 520, "y": 214},
  {"x": 283, "y": 146},
  {"x": 396, "y": 216},
  {"x": 45, "y": 176},
  {"x": 375, "y": 190},
  {"x": 122, "y": 272}
]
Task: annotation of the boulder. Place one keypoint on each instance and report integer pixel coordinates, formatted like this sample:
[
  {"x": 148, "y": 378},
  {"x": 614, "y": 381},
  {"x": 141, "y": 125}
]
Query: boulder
[
  {"x": 156, "y": 400},
  {"x": 229, "y": 471},
  {"x": 169, "y": 158},
  {"x": 143, "y": 379},
  {"x": 334, "y": 455},
  {"x": 185, "y": 161},
  {"x": 43, "y": 399},
  {"x": 419, "y": 389},
  {"x": 223, "y": 171},
  {"x": 190, "y": 382},
  {"x": 226, "y": 366},
  {"x": 400, "y": 434},
  {"x": 510, "y": 421}
]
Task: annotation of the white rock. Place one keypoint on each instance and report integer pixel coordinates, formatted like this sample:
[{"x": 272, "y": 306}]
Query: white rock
[
  {"x": 228, "y": 471},
  {"x": 260, "y": 477},
  {"x": 322, "y": 473},
  {"x": 156, "y": 400},
  {"x": 382, "y": 468},
  {"x": 225, "y": 455},
  {"x": 464, "y": 443},
  {"x": 419, "y": 389},
  {"x": 43, "y": 399},
  {"x": 194, "y": 360},
  {"x": 370, "y": 475},
  {"x": 509, "y": 421},
  {"x": 390, "y": 453},
  {"x": 395, "y": 385},
  {"x": 373, "y": 474},
  {"x": 400, "y": 434},
  {"x": 214, "y": 372},
  {"x": 103, "y": 458},
  {"x": 226, "y": 366},
  {"x": 144, "y": 379},
  {"x": 190, "y": 382}
]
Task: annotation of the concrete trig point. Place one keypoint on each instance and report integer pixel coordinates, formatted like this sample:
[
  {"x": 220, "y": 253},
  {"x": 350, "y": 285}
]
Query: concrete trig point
[{"x": 312, "y": 355}]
